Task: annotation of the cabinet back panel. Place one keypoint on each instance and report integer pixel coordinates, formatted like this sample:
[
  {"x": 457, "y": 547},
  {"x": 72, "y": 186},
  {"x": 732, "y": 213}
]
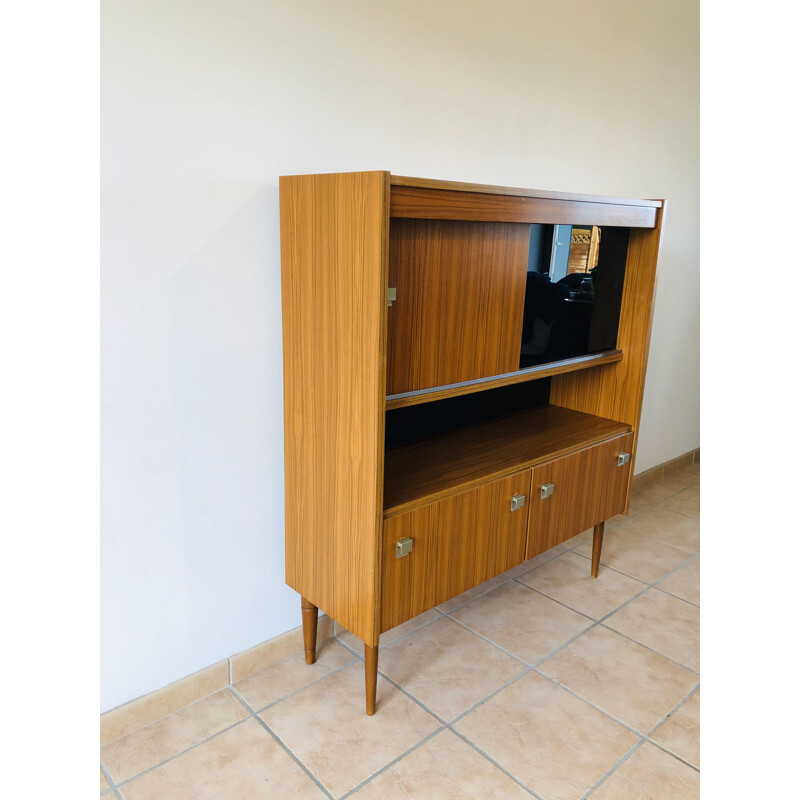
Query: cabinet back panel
[
  {"x": 411, "y": 424},
  {"x": 460, "y": 299}
]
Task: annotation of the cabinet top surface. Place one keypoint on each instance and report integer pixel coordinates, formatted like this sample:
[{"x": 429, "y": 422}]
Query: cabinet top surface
[
  {"x": 456, "y": 186},
  {"x": 430, "y": 470},
  {"x": 482, "y": 188}
]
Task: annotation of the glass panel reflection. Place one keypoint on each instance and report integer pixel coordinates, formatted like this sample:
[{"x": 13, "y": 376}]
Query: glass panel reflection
[{"x": 573, "y": 292}]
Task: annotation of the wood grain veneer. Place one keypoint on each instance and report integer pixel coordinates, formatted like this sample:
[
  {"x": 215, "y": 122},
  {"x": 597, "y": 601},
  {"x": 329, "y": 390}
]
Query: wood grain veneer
[
  {"x": 459, "y": 543},
  {"x": 334, "y": 238},
  {"x": 616, "y": 391},
  {"x": 446, "y": 465},
  {"x": 460, "y": 301},
  {"x": 424, "y": 203},
  {"x": 520, "y": 376},
  {"x": 588, "y": 487}
]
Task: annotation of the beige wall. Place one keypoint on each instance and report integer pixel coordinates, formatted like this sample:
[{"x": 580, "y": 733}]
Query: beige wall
[{"x": 204, "y": 106}]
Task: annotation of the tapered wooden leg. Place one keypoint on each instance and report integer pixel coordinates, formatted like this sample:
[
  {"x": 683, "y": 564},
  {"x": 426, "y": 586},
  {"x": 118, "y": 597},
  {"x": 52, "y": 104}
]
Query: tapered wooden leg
[
  {"x": 310, "y": 615},
  {"x": 597, "y": 546},
  {"x": 370, "y": 676}
]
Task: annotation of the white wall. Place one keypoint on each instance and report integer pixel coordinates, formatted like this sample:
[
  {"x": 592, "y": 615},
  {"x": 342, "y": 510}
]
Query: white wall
[{"x": 205, "y": 104}]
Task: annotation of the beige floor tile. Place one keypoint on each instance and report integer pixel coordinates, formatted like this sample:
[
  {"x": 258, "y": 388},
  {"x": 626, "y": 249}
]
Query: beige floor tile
[
  {"x": 668, "y": 527},
  {"x": 664, "y": 623},
  {"x": 171, "y": 735},
  {"x": 104, "y": 784},
  {"x": 581, "y": 538},
  {"x": 650, "y": 774},
  {"x": 292, "y": 673},
  {"x": 264, "y": 655},
  {"x": 444, "y": 768},
  {"x": 471, "y": 594},
  {"x": 568, "y": 579},
  {"x": 658, "y": 490},
  {"x": 243, "y": 762},
  {"x": 326, "y": 727},
  {"x": 684, "y": 582},
  {"x": 687, "y": 476},
  {"x": 536, "y": 561},
  {"x": 635, "y": 555},
  {"x": 448, "y": 668},
  {"x": 640, "y": 500},
  {"x": 394, "y": 633},
  {"x": 159, "y": 704},
  {"x": 685, "y": 502},
  {"x": 629, "y": 681},
  {"x": 555, "y": 743},
  {"x": 522, "y": 621},
  {"x": 680, "y": 732}
]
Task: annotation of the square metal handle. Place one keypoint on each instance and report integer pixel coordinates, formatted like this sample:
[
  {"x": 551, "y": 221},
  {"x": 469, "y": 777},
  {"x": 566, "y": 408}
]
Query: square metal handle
[
  {"x": 623, "y": 459},
  {"x": 404, "y": 547},
  {"x": 547, "y": 490},
  {"x": 517, "y": 502}
]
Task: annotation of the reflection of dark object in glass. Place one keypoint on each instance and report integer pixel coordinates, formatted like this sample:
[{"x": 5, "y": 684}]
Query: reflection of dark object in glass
[
  {"x": 543, "y": 301},
  {"x": 579, "y": 314}
]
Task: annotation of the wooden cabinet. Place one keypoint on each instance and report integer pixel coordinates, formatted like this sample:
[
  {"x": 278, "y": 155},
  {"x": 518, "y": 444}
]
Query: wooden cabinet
[{"x": 410, "y": 416}]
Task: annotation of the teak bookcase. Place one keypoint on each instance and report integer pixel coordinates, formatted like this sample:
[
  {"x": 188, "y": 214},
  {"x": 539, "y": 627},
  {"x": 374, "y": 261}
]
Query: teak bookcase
[{"x": 384, "y": 522}]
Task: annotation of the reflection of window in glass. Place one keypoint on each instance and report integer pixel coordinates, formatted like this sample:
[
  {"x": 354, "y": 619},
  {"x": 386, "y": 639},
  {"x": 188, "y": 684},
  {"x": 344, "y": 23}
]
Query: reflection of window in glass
[{"x": 584, "y": 249}]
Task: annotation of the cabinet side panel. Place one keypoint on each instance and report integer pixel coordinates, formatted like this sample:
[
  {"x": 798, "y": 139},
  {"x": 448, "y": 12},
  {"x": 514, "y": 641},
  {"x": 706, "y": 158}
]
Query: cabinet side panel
[
  {"x": 334, "y": 235},
  {"x": 615, "y": 391}
]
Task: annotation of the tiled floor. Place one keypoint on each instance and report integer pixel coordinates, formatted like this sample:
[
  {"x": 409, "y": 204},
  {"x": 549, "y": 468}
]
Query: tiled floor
[{"x": 540, "y": 683}]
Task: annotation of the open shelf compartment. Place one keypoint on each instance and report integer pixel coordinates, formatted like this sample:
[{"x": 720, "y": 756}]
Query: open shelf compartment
[{"x": 454, "y": 462}]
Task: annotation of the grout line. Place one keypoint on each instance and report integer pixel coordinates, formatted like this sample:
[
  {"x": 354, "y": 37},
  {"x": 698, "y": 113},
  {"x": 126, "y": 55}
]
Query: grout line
[
  {"x": 665, "y": 544},
  {"x": 482, "y": 594},
  {"x": 294, "y": 758},
  {"x": 677, "y": 597},
  {"x": 647, "y": 647},
  {"x": 489, "y": 641},
  {"x": 298, "y": 690},
  {"x": 107, "y": 774},
  {"x": 272, "y": 733},
  {"x": 399, "y": 638},
  {"x": 492, "y": 761},
  {"x": 448, "y": 726},
  {"x": 230, "y": 672},
  {"x": 388, "y": 766},
  {"x": 673, "y": 755},
  {"x": 359, "y": 657},
  {"x": 588, "y": 702},
  {"x": 675, "y": 708},
  {"x": 117, "y": 792},
  {"x": 488, "y": 697},
  {"x": 614, "y": 768},
  {"x": 183, "y": 752}
]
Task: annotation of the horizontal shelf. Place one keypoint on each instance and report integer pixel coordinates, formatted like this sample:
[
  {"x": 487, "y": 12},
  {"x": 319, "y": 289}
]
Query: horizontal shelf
[
  {"x": 496, "y": 381},
  {"x": 446, "y": 465}
]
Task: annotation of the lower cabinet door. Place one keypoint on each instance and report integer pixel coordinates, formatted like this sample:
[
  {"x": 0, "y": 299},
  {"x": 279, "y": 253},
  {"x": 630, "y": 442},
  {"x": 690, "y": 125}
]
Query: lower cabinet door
[
  {"x": 571, "y": 494},
  {"x": 456, "y": 544}
]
